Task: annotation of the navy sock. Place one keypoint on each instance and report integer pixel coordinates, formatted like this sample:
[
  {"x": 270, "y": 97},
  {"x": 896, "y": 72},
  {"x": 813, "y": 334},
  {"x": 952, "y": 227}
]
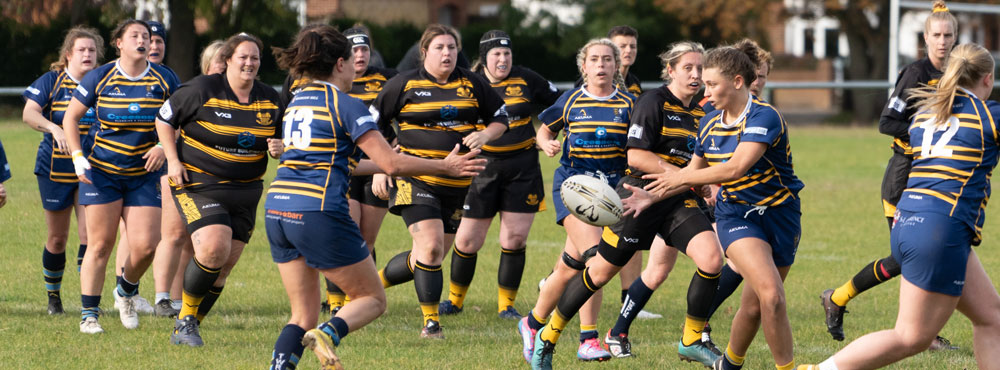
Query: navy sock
[
  {"x": 534, "y": 324},
  {"x": 588, "y": 334},
  {"x": 53, "y": 265},
  {"x": 729, "y": 280},
  {"x": 336, "y": 328},
  {"x": 127, "y": 288},
  {"x": 288, "y": 348},
  {"x": 79, "y": 256},
  {"x": 91, "y": 305},
  {"x": 635, "y": 300}
]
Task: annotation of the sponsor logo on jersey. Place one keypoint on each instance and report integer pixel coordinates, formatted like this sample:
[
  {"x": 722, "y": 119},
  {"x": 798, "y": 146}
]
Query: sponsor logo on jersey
[
  {"x": 755, "y": 130},
  {"x": 223, "y": 115},
  {"x": 374, "y": 112},
  {"x": 151, "y": 91},
  {"x": 82, "y": 91},
  {"x": 463, "y": 92},
  {"x": 90, "y": 113},
  {"x": 423, "y": 93},
  {"x": 513, "y": 91},
  {"x": 165, "y": 111},
  {"x": 264, "y": 119},
  {"x": 365, "y": 119},
  {"x": 116, "y": 92},
  {"x": 897, "y": 104},
  {"x": 600, "y": 131},
  {"x": 674, "y": 118},
  {"x": 246, "y": 139},
  {"x": 635, "y": 131},
  {"x": 712, "y": 146},
  {"x": 582, "y": 115},
  {"x": 449, "y": 112},
  {"x": 33, "y": 90},
  {"x": 134, "y": 108},
  {"x": 502, "y": 111},
  {"x": 630, "y": 240}
]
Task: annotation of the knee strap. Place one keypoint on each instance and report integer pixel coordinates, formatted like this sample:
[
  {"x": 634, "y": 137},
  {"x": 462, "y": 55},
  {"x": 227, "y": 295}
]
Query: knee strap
[
  {"x": 572, "y": 262},
  {"x": 589, "y": 253}
]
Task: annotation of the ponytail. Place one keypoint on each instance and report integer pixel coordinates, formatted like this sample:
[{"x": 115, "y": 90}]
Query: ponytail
[{"x": 967, "y": 65}]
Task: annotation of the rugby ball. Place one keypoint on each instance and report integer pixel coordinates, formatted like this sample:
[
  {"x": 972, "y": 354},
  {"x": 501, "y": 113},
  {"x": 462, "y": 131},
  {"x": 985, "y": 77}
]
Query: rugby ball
[{"x": 591, "y": 200}]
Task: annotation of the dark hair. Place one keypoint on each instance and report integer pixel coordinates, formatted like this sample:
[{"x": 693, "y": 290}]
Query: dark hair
[
  {"x": 623, "y": 31},
  {"x": 314, "y": 53},
  {"x": 78, "y": 32},
  {"x": 119, "y": 31},
  {"x": 436, "y": 30},
  {"x": 741, "y": 59},
  {"x": 491, "y": 39},
  {"x": 234, "y": 41}
]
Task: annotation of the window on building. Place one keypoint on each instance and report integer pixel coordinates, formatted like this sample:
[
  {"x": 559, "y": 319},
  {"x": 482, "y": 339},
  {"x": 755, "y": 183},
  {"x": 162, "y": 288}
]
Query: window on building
[
  {"x": 831, "y": 49},
  {"x": 809, "y": 40}
]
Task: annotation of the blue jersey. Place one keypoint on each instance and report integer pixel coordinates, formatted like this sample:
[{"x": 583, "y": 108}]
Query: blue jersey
[
  {"x": 52, "y": 92},
  {"x": 4, "y": 166},
  {"x": 321, "y": 124},
  {"x": 952, "y": 162},
  {"x": 126, "y": 108},
  {"x": 596, "y": 129},
  {"x": 769, "y": 182}
]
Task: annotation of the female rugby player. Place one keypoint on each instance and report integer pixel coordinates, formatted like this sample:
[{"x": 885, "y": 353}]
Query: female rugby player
[
  {"x": 436, "y": 106},
  {"x": 595, "y": 120},
  {"x": 511, "y": 184},
  {"x": 323, "y": 128},
  {"x": 125, "y": 95},
  {"x": 45, "y": 103},
  {"x": 953, "y": 138}
]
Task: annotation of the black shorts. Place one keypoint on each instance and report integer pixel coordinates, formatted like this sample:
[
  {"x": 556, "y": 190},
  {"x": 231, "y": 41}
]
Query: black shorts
[
  {"x": 897, "y": 172},
  {"x": 360, "y": 189},
  {"x": 510, "y": 184},
  {"x": 230, "y": 205},
  {"x": 416, "y": 201},
  {"x": 677, "y": 219}
]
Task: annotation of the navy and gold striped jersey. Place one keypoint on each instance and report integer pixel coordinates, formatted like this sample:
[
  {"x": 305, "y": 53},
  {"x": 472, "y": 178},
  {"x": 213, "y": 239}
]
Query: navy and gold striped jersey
[
  {"x": 522, "y": 91},
  {"x": 321, "y": 125},
  {"x": 126, "y": 111},
  {"x": 221, "y": 139},
  {"x": 52, "y": 92},
  {"x": 898, "y": 113},
  {"x": 371, "y": 83},
  {"x": 769, "y": 182},
  {"x": 4, "y": 166},
  {"x": 433, "y": 117},
  {"x": 596, "y": 129},
  {"x": 663, "y": 125},
  {"x": 953, "y": 162}
]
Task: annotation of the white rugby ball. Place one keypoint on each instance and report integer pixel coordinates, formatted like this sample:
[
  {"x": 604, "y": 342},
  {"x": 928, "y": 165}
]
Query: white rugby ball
[{"x": 591, "y": 200}]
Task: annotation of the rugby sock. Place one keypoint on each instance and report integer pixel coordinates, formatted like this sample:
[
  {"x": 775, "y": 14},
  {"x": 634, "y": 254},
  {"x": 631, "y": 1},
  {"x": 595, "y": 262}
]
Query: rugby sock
[
  {"x": 336, "y": 328},
  {"x": 288, "y": 348},
  {"x": 198, "y": 280},
  {"x": 509, "y": 277},
  {"x": 700, "y": 294},
  {"x": 335, "y": 297},
  {"x": 91, "y": 306},
  {"x": 53, "y": 265},
  {"x": 554, "y": 328},
  {"x": 875, "y": 273},
  {"x": 587, "y": 332},
  {"x": 428, "y": 280},
  {"x": 127, "y": 288},
  {"x": 729, "y": 280},
  {"x": 161, "y": 296},
  {"x": 577, "y": 292},
  {"x": 397, "y": 271},
  {"x": 534, "y": 322},
  {"x": 463, "y": 268},
  {"x": 636, "y": 298},
  {"x": 79, "y": 256},
  {"x": 733, "y": 361},
  {"x": 208, "y": 301},
  {"x": 625, "y": 294},
  {"x": 789, "y": 366}
]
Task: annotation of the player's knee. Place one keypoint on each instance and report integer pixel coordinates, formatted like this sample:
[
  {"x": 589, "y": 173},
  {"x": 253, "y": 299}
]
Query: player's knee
[
  {"x": 600, "y": 273},
  {"x": 654, "y": 275},
  {"x": 911, "y": 343},
  {"x": 57, "y": 242},
  {"x": 514, "y": 241},
  {"x": 772, "y": 301}
]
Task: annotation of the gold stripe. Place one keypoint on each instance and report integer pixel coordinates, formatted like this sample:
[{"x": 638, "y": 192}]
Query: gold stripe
[
  {"x": 229, "y": 104},
  {"x": 433, "y": 106}
]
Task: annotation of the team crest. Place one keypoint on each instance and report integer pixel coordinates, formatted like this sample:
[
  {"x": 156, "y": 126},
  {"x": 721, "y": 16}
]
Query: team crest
[
  {"x": 373, "y": 86},
  {"x": 532, "y": 199},
  {"x": 690, "y": 203},
  {"x": 463, "y": 92},
  {"x": 264, "y": 118},
  {"x": 513, "y": 91},
  {"x": 457, "y": 215}
]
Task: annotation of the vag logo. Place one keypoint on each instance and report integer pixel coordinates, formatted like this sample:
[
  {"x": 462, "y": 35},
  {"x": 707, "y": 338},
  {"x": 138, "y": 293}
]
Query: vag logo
[
  {"x": 133, "y": 108},
  {"x": 422, "y": 93},
  {"x": 223, "y": 115}
]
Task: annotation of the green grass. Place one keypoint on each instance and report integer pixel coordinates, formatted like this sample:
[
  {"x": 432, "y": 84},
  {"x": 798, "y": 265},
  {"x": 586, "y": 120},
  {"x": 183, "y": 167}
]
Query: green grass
[{"x": 842, "y": 231}]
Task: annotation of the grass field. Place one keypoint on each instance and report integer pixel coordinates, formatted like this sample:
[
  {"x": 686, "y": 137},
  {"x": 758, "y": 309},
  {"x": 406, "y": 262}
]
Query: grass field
[{"x": 842, "y": 230}]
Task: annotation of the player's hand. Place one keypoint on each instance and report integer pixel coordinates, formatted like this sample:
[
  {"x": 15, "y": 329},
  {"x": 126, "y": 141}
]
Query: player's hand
[
  {"x": 275, "y": 147},
  {"x": 463, "y": 165},
  {"x": 59, "y": 138},
  {"x": 476, "y": 139},
  {"x": 713, "y": 192},
  {"x": 380, "y": 185},
  {"x": 637, "y": 202},
  {"x": 3, "y": 196},
  {"x": 80, "y": 166},
  {"x": 176, "y": 173},
  {"x": 154, "y": 159},
  {"x": 551, "y": 147},
  {"x": 663, "y": 182}
]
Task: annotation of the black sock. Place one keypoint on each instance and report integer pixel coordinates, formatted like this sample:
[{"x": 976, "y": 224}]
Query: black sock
[
  {"x": 701, "y": 292},
  {"x": 511, "y": 268},
  {"x": 206, "y": 303},
  {"x": 463, "y": 267},
  {"x": 198, "y": 280},
  {"x": 635, "y": 299},
  {"x": 288, "y": 348},
  {"x": 79, "y": 256},
  {"x": 332, "y": 288},
  {"x": 624, "y": 294},
  {"x": 53, "y": 265},
  {"x": 875, "y": 273},
  {"x": 729, "y": 280},
  {"x": 398, "y": 270},
  {"x": 578, "y": 291},
  {"x": 428, "y": 281}
]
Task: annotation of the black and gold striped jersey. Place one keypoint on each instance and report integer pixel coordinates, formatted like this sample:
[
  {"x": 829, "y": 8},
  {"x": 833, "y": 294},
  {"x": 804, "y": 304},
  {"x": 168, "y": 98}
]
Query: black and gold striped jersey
[
  {"x": 897, "y": 114},
  {"x": 523, "y": 91},
  {"x": 662, "y": 124},
  {"x": 370, "y": 84},
  {"x": 221, "y": 139}
]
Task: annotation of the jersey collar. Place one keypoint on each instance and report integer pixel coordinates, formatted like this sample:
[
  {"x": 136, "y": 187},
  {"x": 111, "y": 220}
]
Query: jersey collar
[
  {"x": 130, "y": 78},
  {"x": 740, "y": 118},
  {"x": 327, "y": 83},
  {"x": 602, "y": 98}
]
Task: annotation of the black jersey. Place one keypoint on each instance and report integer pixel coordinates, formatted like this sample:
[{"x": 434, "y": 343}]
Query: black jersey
[
  {"x": 662, "y": 124},
  {"x": 523, "y": 90},
  {"x": 222, "y": 140},
  {"x": 370, "y": 84},
  {"x": 433, "y": 117},
  {"x": 896, "y": 116},
  {"x": 632, "y": 84},
  {"x": 291, "y": 87}
]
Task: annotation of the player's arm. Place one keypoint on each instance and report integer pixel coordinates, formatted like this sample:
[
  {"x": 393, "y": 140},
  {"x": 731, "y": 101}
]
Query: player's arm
[
  {"x": 747, "y": 153},
  {"x": 71, "y": 127},
  {"x": 492, "y": 109},
  {"x": 396, "y": 164},
  {"x": 175, "y": 169},
  {"x": 32, "y": 115},
  {"x": 893, "y": 121}
]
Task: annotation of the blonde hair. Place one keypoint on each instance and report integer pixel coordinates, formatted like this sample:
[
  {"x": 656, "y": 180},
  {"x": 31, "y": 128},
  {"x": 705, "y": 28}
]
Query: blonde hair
[
  {"x": 210, "y": 53},
  {"x": 670, "y": 57},
  {"x": 72, "y": 35},
  {"x": 581, "y": 57},
  {"x": 967, "y": 65},
  {"x": 940, "y": 13}
]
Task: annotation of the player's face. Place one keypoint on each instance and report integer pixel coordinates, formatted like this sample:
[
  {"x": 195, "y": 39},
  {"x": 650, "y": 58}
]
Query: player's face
[
  {"x": 599, "y": 65},
  {"x": 757, "y": 87},
  {"x": 721, "y": 90},
  {"x": 362, "y": 55},
  {"x": 441, "y": 55},
  {"x": 498, "y": 63},
  {"x": 939, "y": 37},
  {"x": 629, "y": 48},
  {"x": 244, "y": 63},
  {"x": 134, "y": 43},
  {"x": 685, "y": 75},
  {"x": 156, "y": 49},
  {"x": 83, "y": 56}
]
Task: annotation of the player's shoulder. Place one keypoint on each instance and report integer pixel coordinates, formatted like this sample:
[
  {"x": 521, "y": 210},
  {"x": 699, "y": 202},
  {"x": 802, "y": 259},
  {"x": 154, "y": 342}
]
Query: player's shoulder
[
  {"x": 761, "y": 110},
  {"x": 165, "y": 73},
  {"x": 266, "y": 91},
  {"x": 385, "y": 72}
]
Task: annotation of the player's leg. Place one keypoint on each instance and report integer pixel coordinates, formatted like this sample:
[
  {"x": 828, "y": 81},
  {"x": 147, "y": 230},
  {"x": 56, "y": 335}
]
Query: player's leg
[
  {"x": 658, "y": 266},
  {"x": 568, "y": 265},
  {"x": 212, "y": 244},
  {"x": 54, "y": 255},
  {"x": 981, "y": 304},
  {"x": 101, "y": 232},
  {"x": 361, "y": 283},
  {"x": 81, "y": 230},
  {"x": 514, "y": 229},
  {"x": 301, "y": 285},
  {"x": 469, "y": 240},
  {"x": 428, "y": 252},
  {"x": 335, "y": 296},
  {"x": 705, "y": 251},
  {"x": 585, "y": 238},
  {"x": 166, "y": 262}
]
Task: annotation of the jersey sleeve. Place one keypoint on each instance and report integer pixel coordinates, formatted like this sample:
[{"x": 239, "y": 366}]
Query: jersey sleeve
[
  {"x": 4, "y": 166},
  {"x": 40, "y": 91},
  {"x": 182, "y": 106},
  {"x": 355, "y": 117},
  {"x": 86, "y": 91},
  {"x": 994, "y": 108},
  {"x": 764, "y": 125},
  {"x": 554, "y": 117},
  {"x": 387, "y": 104},
  {"x": 647, "y": 121},
  {"x": 703, "y": 130},
  {"x": 543, "y": 92},
  {"x": 492, "y": 108},
  {"x": 894, "y": 119}
]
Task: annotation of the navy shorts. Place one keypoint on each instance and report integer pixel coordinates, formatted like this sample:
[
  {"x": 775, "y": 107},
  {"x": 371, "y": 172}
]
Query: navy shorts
[
  {"x": 135, "y": 191},
  {"x": 562, "y": 173},
  {"x": 325, "y": 239},
  {"x": 778, "y": 226},
  {"x": 56, "y": 196},
  {"x": 933, "y": 250}
]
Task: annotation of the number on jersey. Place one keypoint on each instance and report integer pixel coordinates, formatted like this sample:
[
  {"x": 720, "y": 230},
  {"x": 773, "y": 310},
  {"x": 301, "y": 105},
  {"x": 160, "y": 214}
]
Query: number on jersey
[
  {"x": 939, "y": 149},
  {"x": 298, "y": 133}
]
